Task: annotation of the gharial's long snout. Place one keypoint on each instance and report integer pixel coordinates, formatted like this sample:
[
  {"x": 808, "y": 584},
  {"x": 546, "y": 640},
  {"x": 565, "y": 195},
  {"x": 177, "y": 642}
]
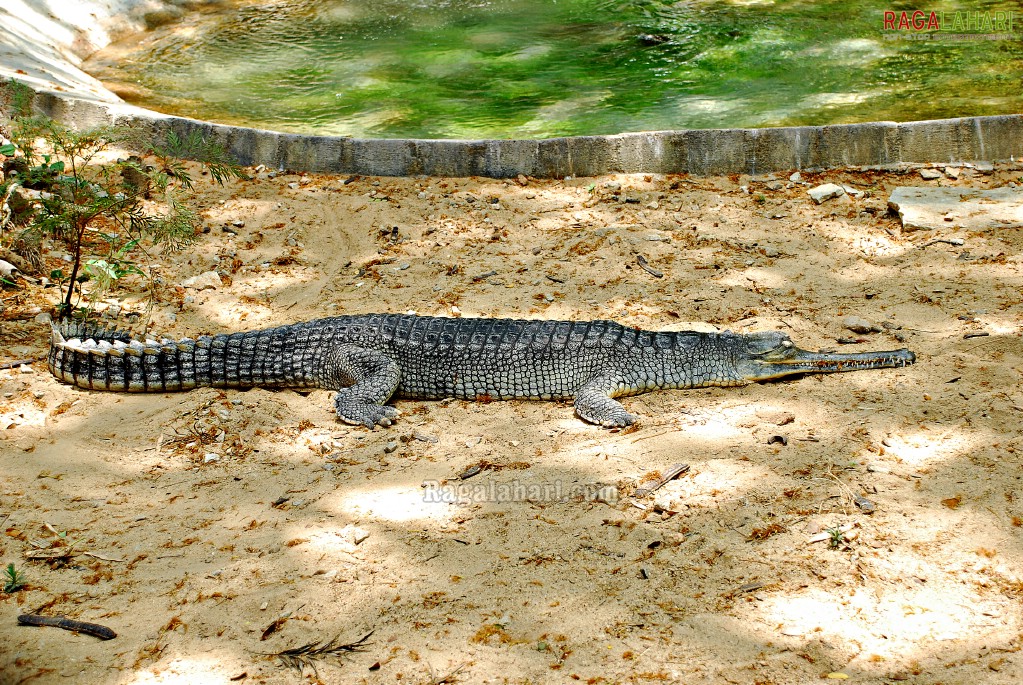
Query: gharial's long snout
[{"x": 774, "y": 355}]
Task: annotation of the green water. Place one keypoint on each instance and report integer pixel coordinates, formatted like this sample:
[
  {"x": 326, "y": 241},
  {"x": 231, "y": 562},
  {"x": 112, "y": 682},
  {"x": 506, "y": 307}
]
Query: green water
[{"x": 533, "y": 68}]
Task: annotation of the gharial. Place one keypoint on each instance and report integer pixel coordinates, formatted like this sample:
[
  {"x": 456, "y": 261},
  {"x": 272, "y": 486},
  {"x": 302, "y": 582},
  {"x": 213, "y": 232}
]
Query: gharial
[{"x": 368, "y": 358}]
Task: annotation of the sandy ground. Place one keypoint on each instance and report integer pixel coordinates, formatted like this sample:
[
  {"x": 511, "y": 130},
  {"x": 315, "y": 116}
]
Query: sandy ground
[{"x": 194, "y": 524}]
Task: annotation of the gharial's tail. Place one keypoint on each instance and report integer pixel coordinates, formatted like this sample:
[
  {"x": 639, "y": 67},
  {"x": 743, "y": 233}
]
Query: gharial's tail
[{"x": 92, "y": 356}]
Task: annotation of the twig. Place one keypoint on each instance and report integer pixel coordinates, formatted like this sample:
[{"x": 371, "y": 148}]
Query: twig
[
  {"x": 448, "y": 676},
  {"x": 19, "y": 362},
  {"x": 672, "y": 473},
  {"x": 641, "y": 260},
  {"x": 102, "y": 558},
  {"x": 958, "y": 242},
  {"x": 308, "y": 654}
]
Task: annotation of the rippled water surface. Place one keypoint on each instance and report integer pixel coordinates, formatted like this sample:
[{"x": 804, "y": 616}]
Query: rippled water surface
[{"x": 537, "y": 68}]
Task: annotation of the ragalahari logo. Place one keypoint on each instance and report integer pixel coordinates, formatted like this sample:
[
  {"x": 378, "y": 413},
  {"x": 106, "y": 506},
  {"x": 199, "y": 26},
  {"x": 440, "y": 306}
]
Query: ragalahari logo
[{"x": 959, "y": 24}]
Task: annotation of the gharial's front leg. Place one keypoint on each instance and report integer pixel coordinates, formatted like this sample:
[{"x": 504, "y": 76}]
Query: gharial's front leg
[
  {"x": 594, "y": 404},
  {"x": 364, "y": 379}
]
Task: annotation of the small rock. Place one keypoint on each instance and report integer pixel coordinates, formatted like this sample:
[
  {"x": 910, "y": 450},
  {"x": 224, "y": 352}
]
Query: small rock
[
  {"x": 613, "y": 186},
  {"x": 42, "y": 318},
  {"x": 770, "y": 251},
  {"x": 390, "y": 447},
  {"x": 210, "y": 457},
  {"x": 873, "y": 467},
  {"x": 778, "y": 418},
  {"x": 864, "y": 504},
  {"x": 238, "y": 223},
  {"x": 775, "y": 185},
  {"x": 858, "y": 325},
  {"x": 209, "y": 279},
  {"x": 293, "y": 185},
  {"x": 25, "y": 368},
  {"x": 930, "y": 174},
  {"x": 852, "y": 192},
  {"x": 952, "y": 172},
  {"x": 425, "y": 437},
  {"x": 984, "y": 167},
  {"x": 351, "y": 536},
  {"x": 796, "y": 177},
  {"x": 825, "y": 192}
]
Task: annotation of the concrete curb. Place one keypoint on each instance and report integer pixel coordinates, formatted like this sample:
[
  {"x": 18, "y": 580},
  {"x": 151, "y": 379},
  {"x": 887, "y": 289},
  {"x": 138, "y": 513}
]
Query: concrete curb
[{"x": 697, "y": 152}]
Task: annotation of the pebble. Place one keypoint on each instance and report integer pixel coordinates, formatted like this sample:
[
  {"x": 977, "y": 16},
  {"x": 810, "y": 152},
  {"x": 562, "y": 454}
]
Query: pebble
[
  {"x": 859, "y": 325},
  {"x": 930, "y": 174},
  {"x": 238, "y": 223},
  {"x": 293, "y": 185},
  {"x": 210, "y": 457},
  {"x": 25, "y": 368},
  {"x": 209, "y": 279},
  {"x": 390, "y": 447},
  {"x": 952, "y": 172},
  {"x": 796, "y": 177},
  {"x": 425, "y": 437}
]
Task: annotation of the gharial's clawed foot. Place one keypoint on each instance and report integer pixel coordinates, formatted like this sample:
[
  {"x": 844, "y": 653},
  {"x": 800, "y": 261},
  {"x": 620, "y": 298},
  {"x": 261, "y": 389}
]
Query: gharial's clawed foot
[
  {"x": 367, "y": 415},
  {"x": 604, "y": 411},
  {"x": 617, "y": 420}
]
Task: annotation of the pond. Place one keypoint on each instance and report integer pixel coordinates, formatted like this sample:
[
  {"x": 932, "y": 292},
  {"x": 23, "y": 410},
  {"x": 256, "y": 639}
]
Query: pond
[{"x": 542, "y": 68}]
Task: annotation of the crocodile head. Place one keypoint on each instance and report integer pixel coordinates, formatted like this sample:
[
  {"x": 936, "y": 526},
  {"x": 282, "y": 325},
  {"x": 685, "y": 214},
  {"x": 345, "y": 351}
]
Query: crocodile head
[{"x": 772, "y": 354}]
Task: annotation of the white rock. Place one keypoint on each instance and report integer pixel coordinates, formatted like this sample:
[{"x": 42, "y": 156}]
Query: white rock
[
  {"x": 825, "y": 192},
  {"x": 209, "y": 279},
  {"x": 796, "y": 177},
  {"x": 930, "y": 174},
  {"x": 925, "y": 208}
]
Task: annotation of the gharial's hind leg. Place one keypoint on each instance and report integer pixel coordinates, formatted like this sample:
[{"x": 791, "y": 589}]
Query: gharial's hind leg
[
  {"x": 371, "y": 378},
  {"x": 594, "y": 404}
]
